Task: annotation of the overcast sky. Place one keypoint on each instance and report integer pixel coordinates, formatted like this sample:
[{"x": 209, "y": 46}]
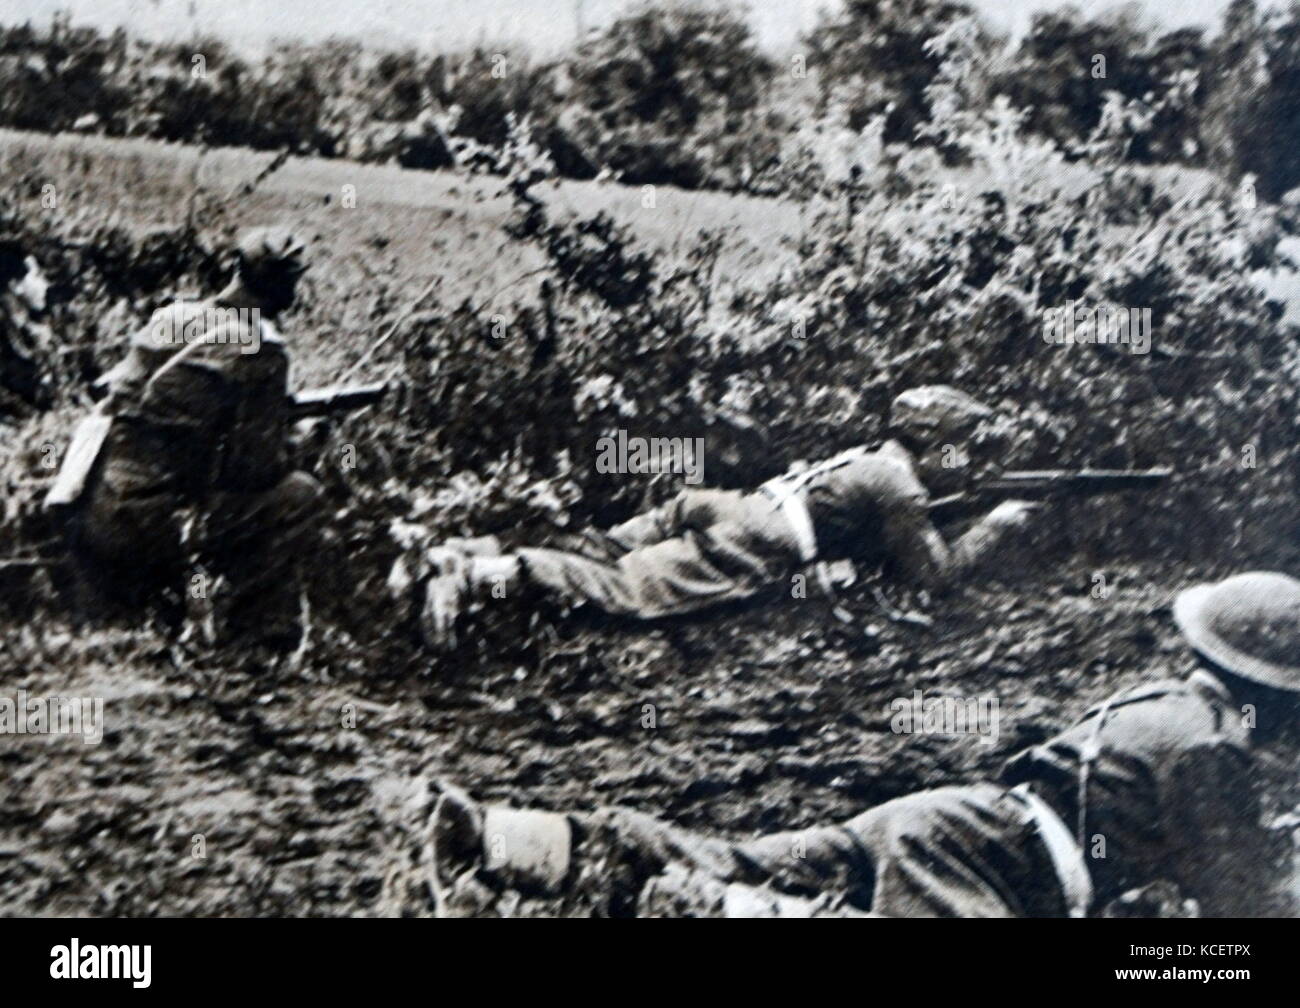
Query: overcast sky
[{"x": 547, "y": 23}]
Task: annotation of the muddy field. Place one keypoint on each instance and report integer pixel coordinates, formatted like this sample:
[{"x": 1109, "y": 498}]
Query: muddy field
[
  {"x": 769, "y": 718},
  {"x": 227, "y": 787}
]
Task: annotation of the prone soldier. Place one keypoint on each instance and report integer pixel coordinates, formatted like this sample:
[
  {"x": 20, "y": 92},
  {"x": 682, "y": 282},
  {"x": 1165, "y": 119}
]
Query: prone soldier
[
  {"x": 1155, "y": 786},
  {"x": 706, "y": 547}
]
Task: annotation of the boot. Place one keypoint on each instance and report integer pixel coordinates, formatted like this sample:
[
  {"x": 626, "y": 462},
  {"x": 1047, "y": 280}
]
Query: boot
[
  {"x": 464, "y": 585},
  {"x": 528, "y": 849},
  {"x": 522, "y": 848}
]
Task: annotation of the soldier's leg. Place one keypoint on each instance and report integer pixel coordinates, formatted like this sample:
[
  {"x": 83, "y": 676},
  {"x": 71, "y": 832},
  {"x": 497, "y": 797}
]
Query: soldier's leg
[
  {"x": 692, "y": 571},
  {"x": 259, "y": 542},
  {"x": 668, "y": 578},
  {"x": 814, "y": 871},
  {"x": 126, "y": 551},
  {"x": 611, "y": 851},
  {"x": 614, "y": 852},
  {"x": 632, "y": 570},
  {"x": 961, "y": 851},
  {"x": 810, "y": 862},
  {"x": 967, "y": 851}
]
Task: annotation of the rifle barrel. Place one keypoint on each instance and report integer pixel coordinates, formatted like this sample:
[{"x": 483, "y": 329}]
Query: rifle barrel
[
  {"x": 1097, "y": 480},
  {"x": 336, "y": 398},
  {"x": 1046, "y": 482}
]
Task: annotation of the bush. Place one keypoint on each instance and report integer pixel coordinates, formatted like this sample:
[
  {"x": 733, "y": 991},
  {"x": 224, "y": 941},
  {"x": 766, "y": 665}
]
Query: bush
[{"x": 655, "y": 93}]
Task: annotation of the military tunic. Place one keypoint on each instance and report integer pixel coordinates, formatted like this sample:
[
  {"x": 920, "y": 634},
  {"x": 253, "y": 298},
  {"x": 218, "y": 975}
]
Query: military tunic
[
  {"x": 1170, "y": 790},
  {"x": 201, "y": 418},
  {"x": 706, "y": 547}
]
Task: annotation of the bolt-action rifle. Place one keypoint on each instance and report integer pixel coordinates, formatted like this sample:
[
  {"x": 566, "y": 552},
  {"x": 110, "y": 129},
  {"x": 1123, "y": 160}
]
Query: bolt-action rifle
[{"x": 1045, "y": 484}]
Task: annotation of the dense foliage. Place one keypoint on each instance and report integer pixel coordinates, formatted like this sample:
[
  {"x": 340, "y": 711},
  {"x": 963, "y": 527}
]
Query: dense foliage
[
  {"x": 684, "y": 95},
  {"x": 887, "y": 289}
]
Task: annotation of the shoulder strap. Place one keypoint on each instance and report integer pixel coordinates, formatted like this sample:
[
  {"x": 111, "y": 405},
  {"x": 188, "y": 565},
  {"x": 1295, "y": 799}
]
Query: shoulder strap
[
  {"x": 1088, "y": 755},
  {"x": 1066, "y": 854},
  {"x": 792, "y": 484}
]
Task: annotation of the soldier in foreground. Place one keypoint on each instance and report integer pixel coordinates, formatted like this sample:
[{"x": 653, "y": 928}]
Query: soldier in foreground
[
  {"x": 1154, "y": 786},
  {"x": 706, "y": 547},
  {"x": 197, "y": 419}
]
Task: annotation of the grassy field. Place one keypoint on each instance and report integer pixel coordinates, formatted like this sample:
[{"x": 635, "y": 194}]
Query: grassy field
[
  {"x": 407, "y": 227},
  {"x": 302, "y": 784}
]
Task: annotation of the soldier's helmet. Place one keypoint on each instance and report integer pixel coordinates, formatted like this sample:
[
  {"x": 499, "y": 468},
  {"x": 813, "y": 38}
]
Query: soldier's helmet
[
  {"x": 930, "y": 414},
  {"x": 271, "y": 255},
  {"x": 1248, "y": 625}
]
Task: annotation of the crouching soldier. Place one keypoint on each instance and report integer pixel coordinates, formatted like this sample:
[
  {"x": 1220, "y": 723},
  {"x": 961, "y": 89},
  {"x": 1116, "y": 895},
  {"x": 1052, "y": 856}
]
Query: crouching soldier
[
  {"x": 195, "y": 426},
  {"x": 706, "y": 547},
  {"x": 1155, "y": 786}
]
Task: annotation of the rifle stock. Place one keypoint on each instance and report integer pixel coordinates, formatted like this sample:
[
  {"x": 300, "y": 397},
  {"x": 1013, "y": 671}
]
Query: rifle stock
[{"x": 1043, "y": 484}]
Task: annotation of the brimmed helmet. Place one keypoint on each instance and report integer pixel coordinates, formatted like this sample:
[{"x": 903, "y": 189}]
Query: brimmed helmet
[{"x": 1248, "y": 625}]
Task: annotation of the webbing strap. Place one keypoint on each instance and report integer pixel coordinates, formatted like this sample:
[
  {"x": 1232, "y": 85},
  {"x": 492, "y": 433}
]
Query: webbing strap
[
  {"x": 1087, "y": 756},
  {"x": 792, "y": 506},
  {"x": 1067, "y": 856}
]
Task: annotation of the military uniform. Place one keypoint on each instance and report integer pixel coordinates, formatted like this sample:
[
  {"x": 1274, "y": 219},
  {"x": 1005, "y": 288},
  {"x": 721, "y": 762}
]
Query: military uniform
[
  {"x": 203, "y": 421},
  {"x": 1169, "y": 790},
  {"x": 705, "y": 547},
  {"x": 973, "y": 851},
  {"x": 1159, "y": 782}
]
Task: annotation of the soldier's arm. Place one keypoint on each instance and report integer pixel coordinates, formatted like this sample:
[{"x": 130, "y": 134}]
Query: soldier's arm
[
  {"x": 146, "y": 350},
  {"x": 1223, "y": 854},
  {"x": 923, "y": 557},
  {"x": 690, "y": 509},
  {"x": 919, "y": 551},
  {"x": 257, "y": 448}
]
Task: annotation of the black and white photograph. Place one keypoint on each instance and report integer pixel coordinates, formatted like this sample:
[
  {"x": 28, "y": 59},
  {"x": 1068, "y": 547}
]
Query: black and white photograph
[{"x": 651, "y": 458}]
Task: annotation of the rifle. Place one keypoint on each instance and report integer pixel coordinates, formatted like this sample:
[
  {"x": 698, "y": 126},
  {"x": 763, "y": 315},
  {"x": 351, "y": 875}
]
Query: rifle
[
  {"x": 335, "y": 399},
  {"x": 90, "y": 434},
  {"x": 1044, "y": 484}
]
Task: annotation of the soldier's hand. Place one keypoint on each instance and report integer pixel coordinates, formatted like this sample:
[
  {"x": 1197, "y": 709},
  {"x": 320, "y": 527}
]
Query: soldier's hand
[
  {"x": 1013, "y": 514},
  {"x": 418, "y": 564},
  {"x": 1156, "y": 899},
  {"x": 445, "y": 561},
  {"x": 444, "y": 601}
]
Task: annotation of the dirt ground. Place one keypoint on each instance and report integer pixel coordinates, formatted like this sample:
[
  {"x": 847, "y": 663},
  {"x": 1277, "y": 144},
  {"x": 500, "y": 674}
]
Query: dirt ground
[{"x": 775, "y": 716}]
